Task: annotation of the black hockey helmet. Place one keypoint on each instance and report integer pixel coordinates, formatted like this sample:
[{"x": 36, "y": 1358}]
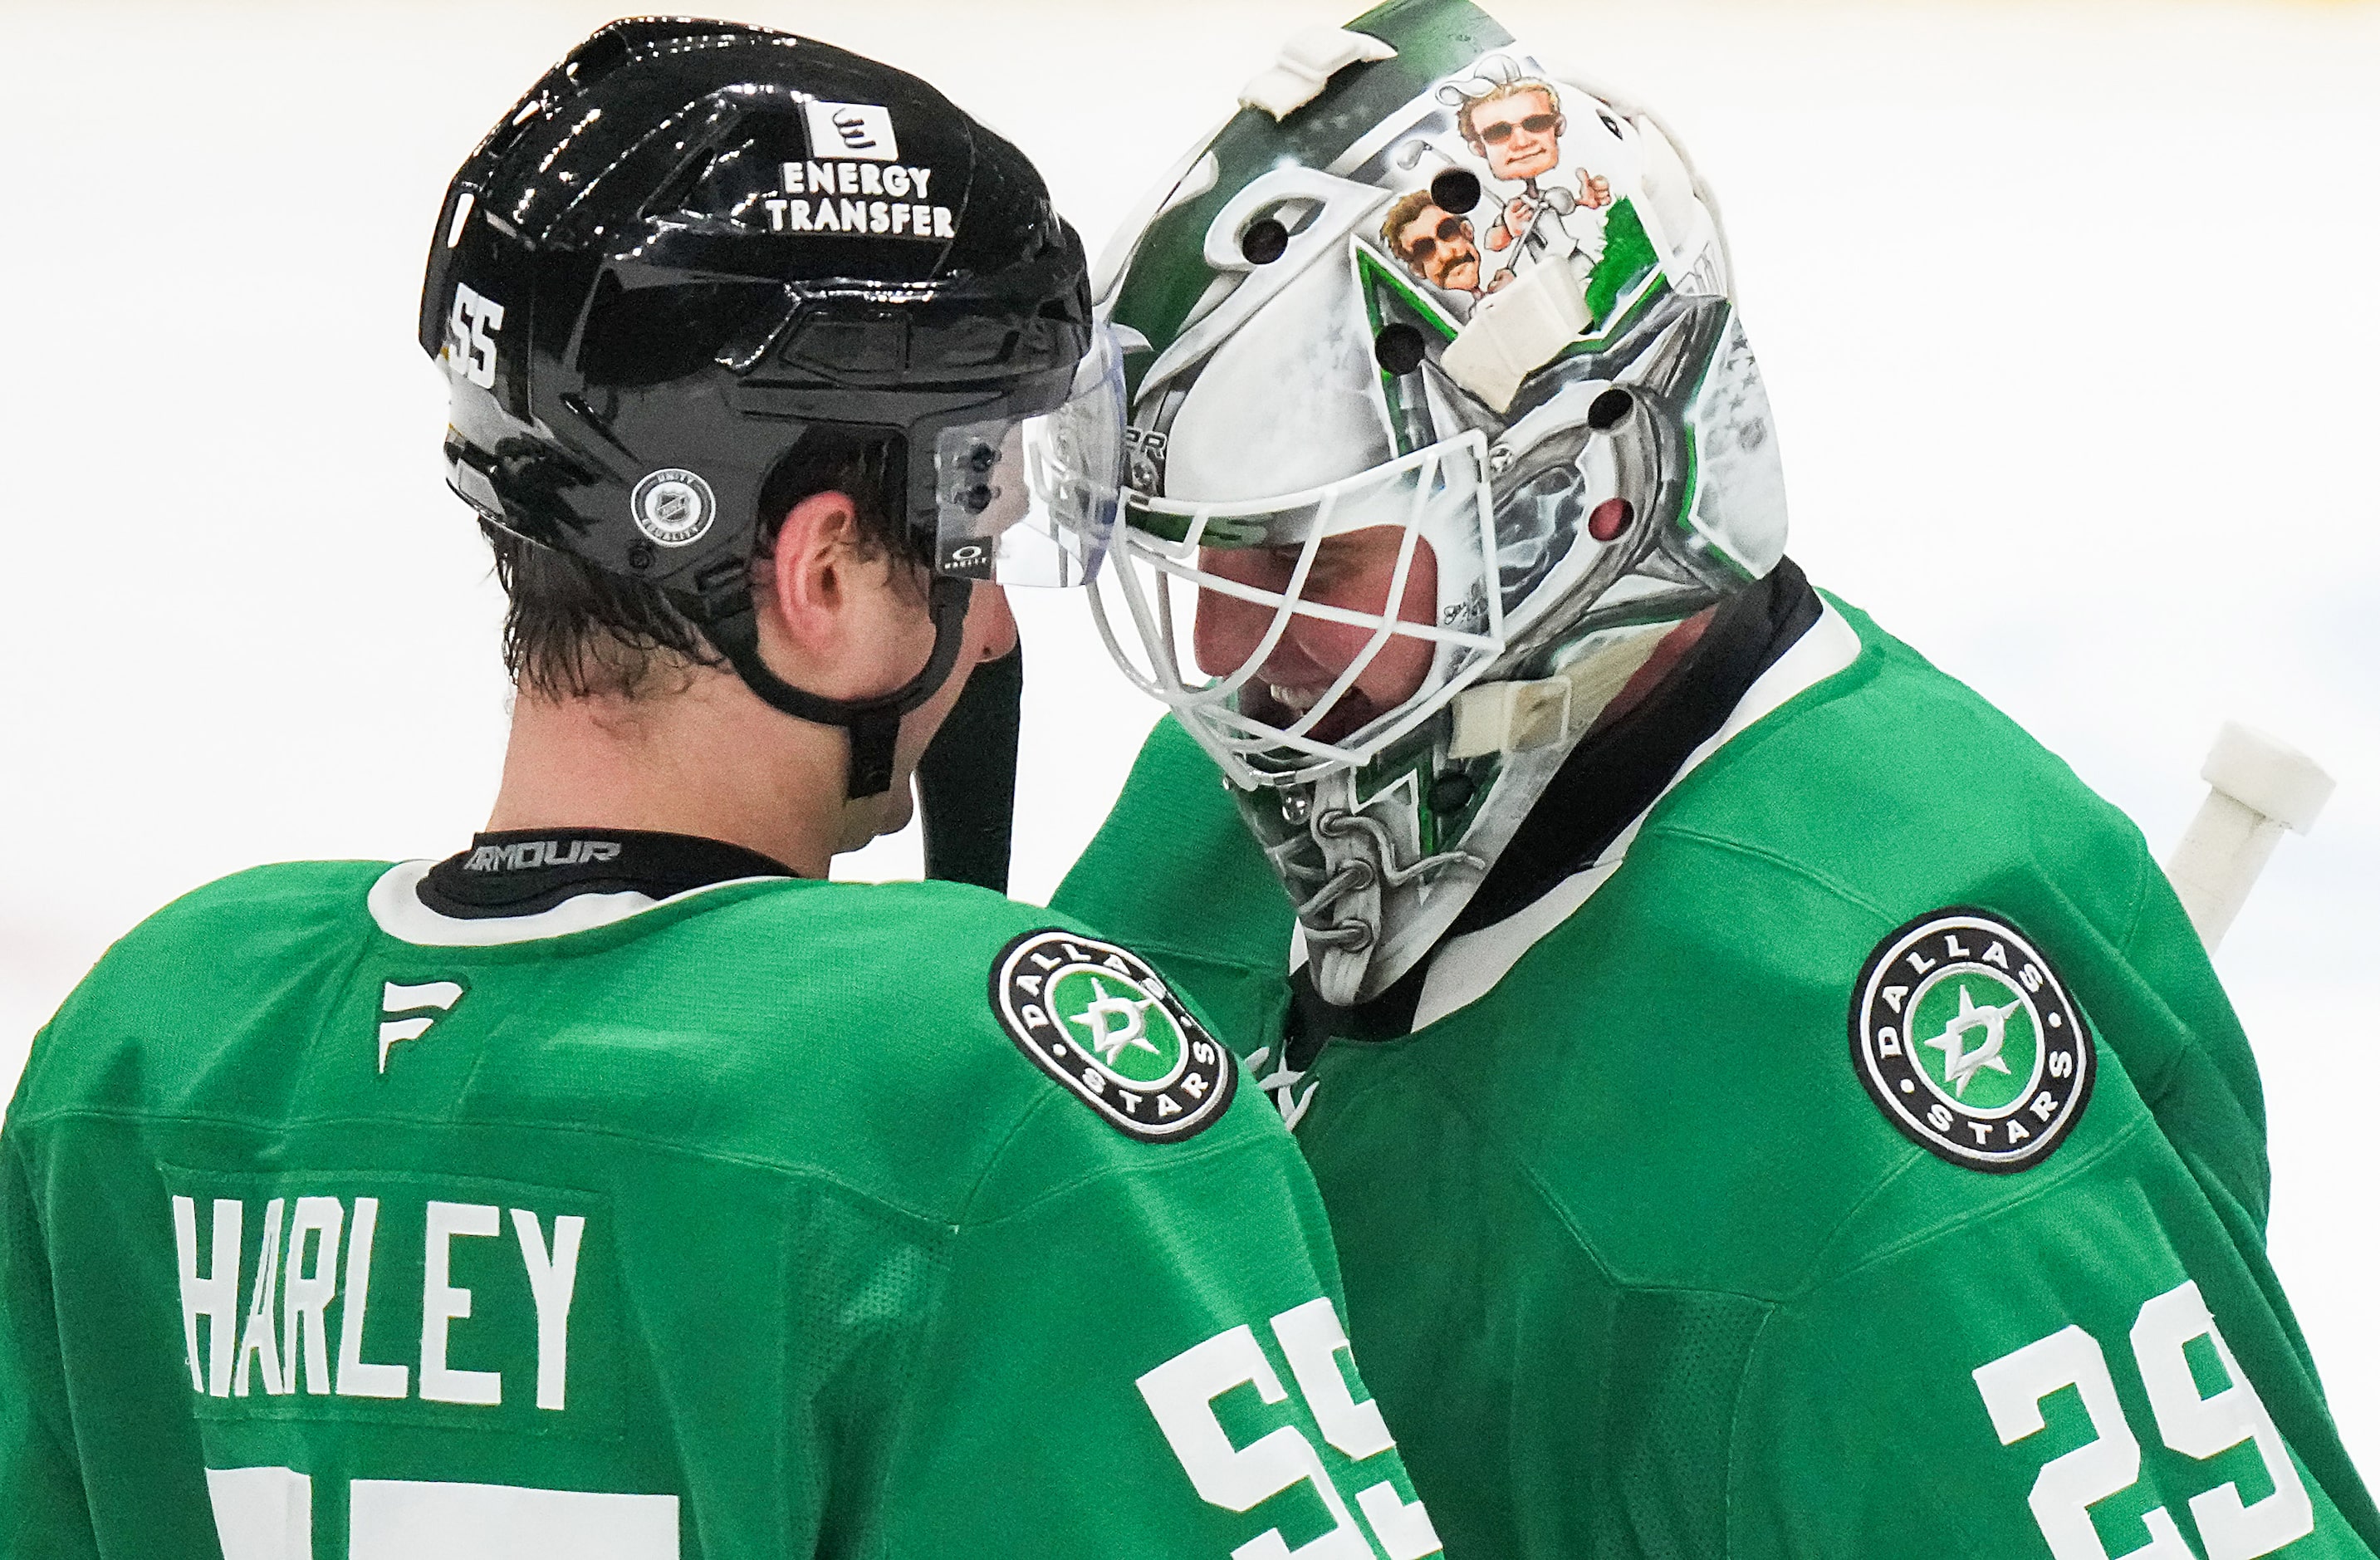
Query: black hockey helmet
[{"x": 695, "y": 246}]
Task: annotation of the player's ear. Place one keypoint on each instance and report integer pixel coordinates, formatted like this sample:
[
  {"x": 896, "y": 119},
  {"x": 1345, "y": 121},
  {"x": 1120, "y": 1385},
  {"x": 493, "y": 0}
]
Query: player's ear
[{"x": 808, "y": 574}]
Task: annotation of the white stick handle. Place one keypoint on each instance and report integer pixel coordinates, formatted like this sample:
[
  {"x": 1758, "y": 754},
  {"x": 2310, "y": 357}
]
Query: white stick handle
[{"x": 2259, "y": 786}]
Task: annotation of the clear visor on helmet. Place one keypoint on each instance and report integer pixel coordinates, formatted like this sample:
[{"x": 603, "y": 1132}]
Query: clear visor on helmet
[
  {"x": 1032, "y": 500},
  {"x": 1307, "y": 632}
]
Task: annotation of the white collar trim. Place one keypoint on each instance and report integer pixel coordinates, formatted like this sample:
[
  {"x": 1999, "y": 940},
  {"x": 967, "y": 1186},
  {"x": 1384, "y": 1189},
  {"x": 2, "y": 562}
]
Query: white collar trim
[
  {"x": 398, "y": 909},
  {"x": 1468, "y": 968}
]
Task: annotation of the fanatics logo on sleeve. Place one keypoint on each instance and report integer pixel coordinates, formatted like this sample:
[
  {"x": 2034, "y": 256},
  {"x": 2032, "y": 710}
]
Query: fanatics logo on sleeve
[
  {"x": 1098, "y": 1020},
  {"x": 1964, "y": 1035}
]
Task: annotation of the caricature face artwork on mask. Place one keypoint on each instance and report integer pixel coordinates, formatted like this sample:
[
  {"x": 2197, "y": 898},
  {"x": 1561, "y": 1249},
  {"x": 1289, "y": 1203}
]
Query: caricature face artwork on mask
[
  {"x": 1439, "y": 418},
  {"x": 1515, "y": 125},
  {"x": 1436, "y": 246}
]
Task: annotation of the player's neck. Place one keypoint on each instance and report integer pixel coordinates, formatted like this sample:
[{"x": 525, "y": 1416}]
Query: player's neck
[{"x": 712, "y": 760}]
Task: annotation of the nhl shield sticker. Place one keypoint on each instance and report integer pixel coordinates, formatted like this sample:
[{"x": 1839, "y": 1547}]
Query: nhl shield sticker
[
  {"x": 673, "y": 505},
  {"x": 1100, "y": 1021},
  {"x": 1966, "y": 1038}
]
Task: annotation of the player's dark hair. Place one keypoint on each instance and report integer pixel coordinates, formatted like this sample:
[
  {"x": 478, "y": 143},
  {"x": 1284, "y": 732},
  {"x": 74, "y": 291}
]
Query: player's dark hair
[{"x": 573, "y": 631}]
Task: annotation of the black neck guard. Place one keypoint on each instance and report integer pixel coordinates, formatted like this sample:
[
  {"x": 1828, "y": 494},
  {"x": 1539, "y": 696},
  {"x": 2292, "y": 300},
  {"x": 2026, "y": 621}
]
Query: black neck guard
[
  {"x": 1613, "y": 774},
  {"x": 523, "y": 872}
]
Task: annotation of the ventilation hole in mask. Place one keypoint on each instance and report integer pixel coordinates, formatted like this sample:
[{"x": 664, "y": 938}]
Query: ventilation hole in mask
[
  {"x": 1609, "y": 410},
  {"x": 1610, "y": 519},
  {"x": 1452, "y": 792},
  {"x": 1455, "y": 191},
  {"x": 1397, "y": 349},
  {"x": 1264, "y": 242}
]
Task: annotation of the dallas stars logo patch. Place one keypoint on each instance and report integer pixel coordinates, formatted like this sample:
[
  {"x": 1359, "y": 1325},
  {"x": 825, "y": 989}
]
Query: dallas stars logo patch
[
  {"x": 1965, "y": 1036},
  {"x": 1098, "y": 1018}
]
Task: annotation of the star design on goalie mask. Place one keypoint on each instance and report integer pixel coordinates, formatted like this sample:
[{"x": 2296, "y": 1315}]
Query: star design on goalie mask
[
  {"x": 1959, "y": 1065},
  {"x": 1116, "y": 1022}
]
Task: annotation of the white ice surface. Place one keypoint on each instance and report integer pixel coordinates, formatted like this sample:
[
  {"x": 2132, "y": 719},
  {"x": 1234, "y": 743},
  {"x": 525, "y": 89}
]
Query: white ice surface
[{"x": 2068, "y": 311}]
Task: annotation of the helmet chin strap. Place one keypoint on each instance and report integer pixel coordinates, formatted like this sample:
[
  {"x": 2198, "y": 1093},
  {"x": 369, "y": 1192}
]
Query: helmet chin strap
[{"x": 873, "y": 725}]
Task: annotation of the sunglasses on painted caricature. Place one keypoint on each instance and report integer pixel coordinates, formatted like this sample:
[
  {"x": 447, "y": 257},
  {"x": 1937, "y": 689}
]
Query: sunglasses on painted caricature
[
  {"x": 1501, "y": 130},
  {"x": 1422, "y": 248}
]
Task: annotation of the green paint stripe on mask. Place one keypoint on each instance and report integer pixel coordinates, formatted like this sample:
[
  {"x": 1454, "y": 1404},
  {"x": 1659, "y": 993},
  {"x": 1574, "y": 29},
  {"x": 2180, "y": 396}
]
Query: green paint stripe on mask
[{"x": 1169, "y": 273}]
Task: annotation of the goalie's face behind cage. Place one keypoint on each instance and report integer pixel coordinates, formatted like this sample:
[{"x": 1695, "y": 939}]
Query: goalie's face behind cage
[{"x": 1343, "y": 623}]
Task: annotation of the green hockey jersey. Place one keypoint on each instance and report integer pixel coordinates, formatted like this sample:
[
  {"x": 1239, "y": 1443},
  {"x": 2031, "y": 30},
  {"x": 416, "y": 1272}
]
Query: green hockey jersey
[
  {"x": 773, "y": 1219},
  {"x": 1858, "y": 1161}
]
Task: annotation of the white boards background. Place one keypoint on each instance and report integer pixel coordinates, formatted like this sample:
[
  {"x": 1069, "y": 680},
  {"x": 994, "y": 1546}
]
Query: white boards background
[{"x": 2067, "y": 309}]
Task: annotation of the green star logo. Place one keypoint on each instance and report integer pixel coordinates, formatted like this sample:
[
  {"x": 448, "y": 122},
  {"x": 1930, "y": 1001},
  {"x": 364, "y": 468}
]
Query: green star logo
[
  {"x": 1992, "y": 1043},
  {"x": 1098, "y": 1020},
  {"x": 1965, "y": 1038},
  {"x": 1128, "y": 1032}
]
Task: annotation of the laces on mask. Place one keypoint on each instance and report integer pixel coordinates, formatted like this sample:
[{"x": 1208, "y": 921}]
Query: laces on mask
[{"x": 1354, "y": 876}]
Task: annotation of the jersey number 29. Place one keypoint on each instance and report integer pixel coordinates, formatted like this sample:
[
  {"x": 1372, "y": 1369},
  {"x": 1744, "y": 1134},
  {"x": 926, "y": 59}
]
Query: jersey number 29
[{"x": 2200, "y": 1427}]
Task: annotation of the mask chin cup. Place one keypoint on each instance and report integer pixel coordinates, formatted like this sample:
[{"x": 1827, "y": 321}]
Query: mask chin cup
[{"x": 1032, "y": 500}]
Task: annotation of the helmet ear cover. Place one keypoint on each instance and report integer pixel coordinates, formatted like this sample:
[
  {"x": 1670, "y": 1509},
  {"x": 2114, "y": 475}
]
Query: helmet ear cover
[{"x": 638, "y": 344}]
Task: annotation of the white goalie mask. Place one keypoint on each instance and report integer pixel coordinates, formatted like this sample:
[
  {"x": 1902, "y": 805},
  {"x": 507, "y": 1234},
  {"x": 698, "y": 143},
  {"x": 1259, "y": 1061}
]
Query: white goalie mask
[{"x": 1441, "y": 417}]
